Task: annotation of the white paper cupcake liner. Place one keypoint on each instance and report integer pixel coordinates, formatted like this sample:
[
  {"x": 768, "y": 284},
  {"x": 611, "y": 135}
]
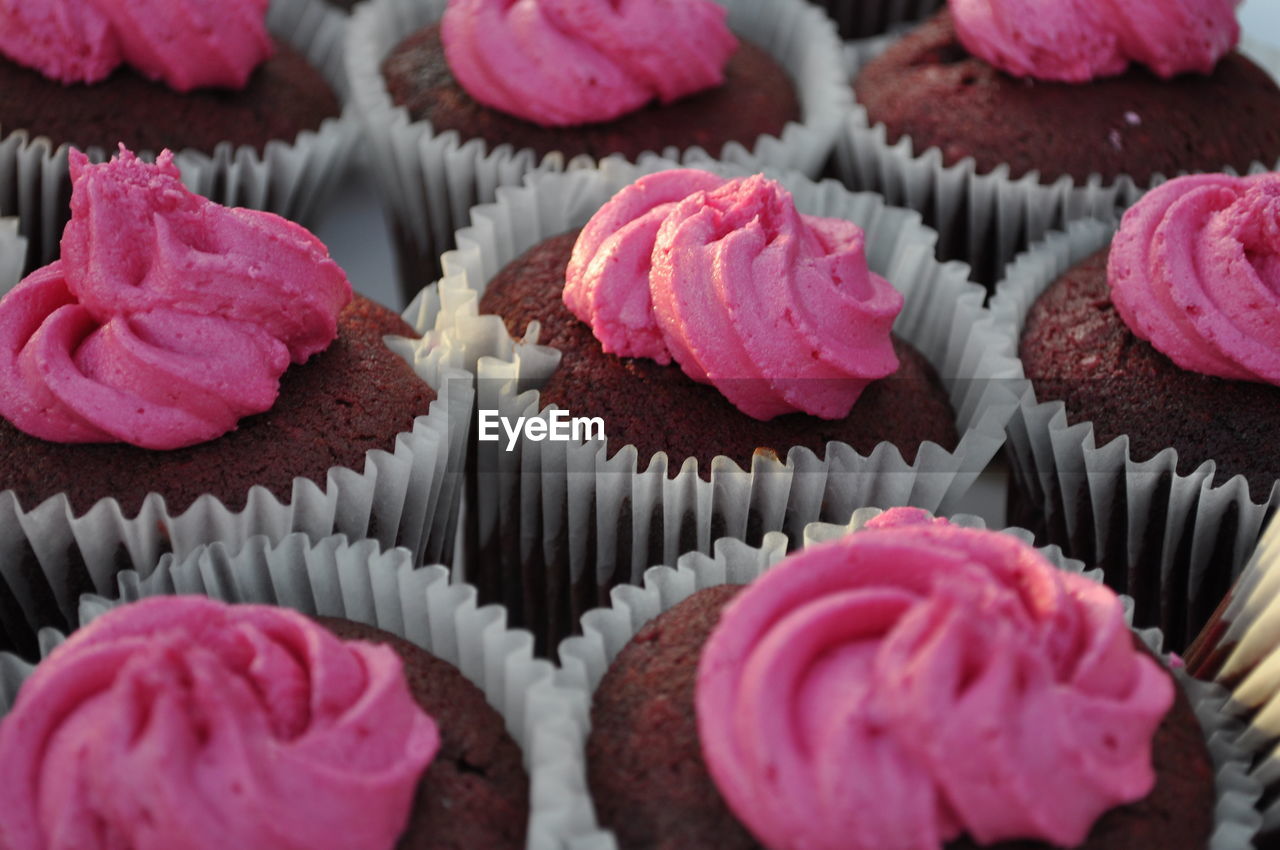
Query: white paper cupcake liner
[
  {"x": 13, "y": 253},
  {"x": 1179, "y": 536},
  {"x": 865, "y": 18},
  {"x": 430, "y": 180},
  {"x": 605, "y": 631},
  {"x": 360, "y": 582},
  {"x": 292, "y": 177},
  {"x": 408, "y": 496},
  {"x": 983, "y": 219},
  {"x": 566, "y": 517}
]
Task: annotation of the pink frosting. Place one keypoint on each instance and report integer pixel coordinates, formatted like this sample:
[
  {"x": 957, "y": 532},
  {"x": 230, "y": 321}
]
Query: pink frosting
[
  {"x": 187, "y": 44},
  {"x": 168, "y": 317},
  {"x": 565, "y": 62},
  {"x": 1195, "y": 270},
  {"x": 1079, "y": 40},
  {"x": 918, "y": 680},
  {"x": 776, "y": 309},
  {"x": 180, "y": 723}
]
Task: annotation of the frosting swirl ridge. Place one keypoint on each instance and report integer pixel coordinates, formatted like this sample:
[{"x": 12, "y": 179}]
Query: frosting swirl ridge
[
  {"x": 1079, "y": 40},
  {"x": 567, "y": 62},
  {"x": 185, "y": 722},
  {"x": 187, "y": 44},
  {"x": 1195, "y": 270},
  {"x": 903, "y": 685},
  {"x": 167, "y": 319},
  {"x": 776, "y": 309}
]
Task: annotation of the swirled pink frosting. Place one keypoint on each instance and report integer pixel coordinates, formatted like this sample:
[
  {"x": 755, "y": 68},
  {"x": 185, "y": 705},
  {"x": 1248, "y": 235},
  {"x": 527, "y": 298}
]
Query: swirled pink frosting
[
  {"x": 168, "y": 317},
  {"x": 918, "y": 680},
  {"x": 1079, "y": 40},
  {"x": 180, "y": 722},
  {"x": 186, "y": 44},
  {"x": 565, "y": 62},
  {"x": 1195, "y": 270},
  {"x": 776, "y": 309}
]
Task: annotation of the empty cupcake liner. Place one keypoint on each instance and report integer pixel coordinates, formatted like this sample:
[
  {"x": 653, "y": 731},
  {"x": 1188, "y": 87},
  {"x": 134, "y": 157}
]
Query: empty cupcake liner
[
  {"x": 292, "y": 177},
  {"x": 983, "y": 219},
  {"x": 864, "y": 18},
  {"x": 556, "y": 524},
  {"x": 431, "y": 180},
  {"x": 409, "y": 496},
  {"x": 361, "y": 582},
  {"x": 1174, "y": 541},
  {"x": 605, "y": 631}
]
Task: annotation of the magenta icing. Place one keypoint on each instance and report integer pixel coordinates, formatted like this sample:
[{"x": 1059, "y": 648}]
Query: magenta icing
[
  {"x": 918, "y": 680},
  {"x": 1079, "y": 40},
  {"x": 565, "y": 62},
  {"x": 1195, "y": 270},
  {"x": 180, "y": 722},
  {"x": 187, "y": 44},
  {"x": 168, "y": 317},
  {"x": 776, "y": 309}
]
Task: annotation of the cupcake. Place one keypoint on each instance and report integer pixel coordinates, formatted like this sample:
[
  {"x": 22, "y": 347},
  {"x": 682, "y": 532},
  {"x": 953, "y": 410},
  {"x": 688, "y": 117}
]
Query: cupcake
[
  {"x": 459, "y": 98},
  {"x": 914, "y": 684},
  {"x": 1146, "y": 447},
  {"x": 709, "y": 425},
  {"x": 401, "y": 722},
  {"x": 250, "y": 99},
  {"x": 1038, "y": 120},
  {"x": 187, "y": 372}
]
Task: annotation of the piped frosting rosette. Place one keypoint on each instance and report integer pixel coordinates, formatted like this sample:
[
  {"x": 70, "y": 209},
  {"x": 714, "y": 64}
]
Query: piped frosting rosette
[
  {"x": 1195, "y": 271},
  {"x": 167, "y": 319},
  {"x": 181, "y": 719},
  {"x": 867, "y": 693},
  {"x": 566, "y": 62},
  {"x": 187, "y": 44},
  {"x": 776, "y": 309}
]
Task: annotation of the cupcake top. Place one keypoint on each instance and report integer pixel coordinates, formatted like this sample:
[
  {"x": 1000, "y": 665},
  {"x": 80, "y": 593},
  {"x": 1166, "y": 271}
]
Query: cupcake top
[
  {"x": 1079, "y": 40},
  {"x": 918, "y": 680},
  {"x": 186, "y": 44},
  {"x": 180, "y": 721},
  {"x": 776, "y": 309},
  {"x": 1195, "y": 270},
  {"x": 167, "y": 319},
  {"x": 569, "y": 62}
]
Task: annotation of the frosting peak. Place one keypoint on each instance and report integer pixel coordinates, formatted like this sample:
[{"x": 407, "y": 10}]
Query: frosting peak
[
  {"x": 184, "y": 722},
  {"x": 776, "y": 309},
  {"x": 1195, "y": 270},
  {"x": 167, "y": 319},
  {"x": 566, "y": 62},
  {"x": 917, "y": 680},
  {"x": 187, "y": 44},
  {"x": 1079, "y": 40}
]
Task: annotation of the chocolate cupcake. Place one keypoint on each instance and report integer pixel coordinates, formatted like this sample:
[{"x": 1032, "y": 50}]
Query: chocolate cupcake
[
  {"x": 699, "y": 436},
  {"x": 1146, "y": 445},
  {"x": 187, "y": 373},
  {"x": 361, "y": 725},
  {"x": 924, "y": 661},
  {"x": 763, "y": 87},
  {"x": 251, "y": 102},
  {"x": 997, "y": 138}
]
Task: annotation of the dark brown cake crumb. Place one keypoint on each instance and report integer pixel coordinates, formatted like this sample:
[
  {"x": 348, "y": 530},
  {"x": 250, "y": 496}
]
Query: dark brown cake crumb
[
  {"x": 1076, "y": 349},
  {"x": 355, "y": 396},
  {"x": 650, "y": 785},
  {"x": 285, "y": 96},
  {"x": 475, "y": 793},
  {"x": 659, "y": 408},
  {"x": 928, "y": 87},
  {"x": 757, "y": 98}
]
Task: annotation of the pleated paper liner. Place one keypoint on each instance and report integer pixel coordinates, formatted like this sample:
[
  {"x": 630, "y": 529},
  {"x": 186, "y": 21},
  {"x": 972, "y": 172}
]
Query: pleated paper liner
[
  {"x": 292, "y": 177},
  {"x": 359, "y": 581},
  {"x": 431, "y": 180},
  {"x": 607, "y": 630}
]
